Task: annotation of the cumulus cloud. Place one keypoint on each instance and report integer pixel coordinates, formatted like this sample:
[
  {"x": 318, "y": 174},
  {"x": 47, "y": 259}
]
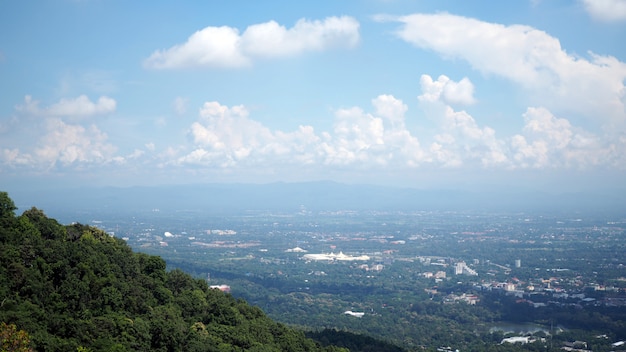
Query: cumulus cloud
[
  {"x": 551, "y": 142},
  {"x": 357, "y": 136},
  {"x": 592, "y": 87},
  {"x": 376, "y": 139},
  {"x": 80, "y": 106},
  {"x": 13, "y": 157},
  {"x": 460, "y": 139},
  {"x": 226, "y": 138},
  {"x": 450, "y": 92},
  {"x": 545, "y": 142},
  {"x": 61, "y": 139},
  {"x": 211, "y": 46},
  {"x": 224, "y": 135},
  {"x": 67, "y": 144},
  {"x": 392, "y": 111},
  {"x": 62, "y": 145},
  {"x": 606, "y": 10},
  {"x": 273, "y": 40},
  {"x": 226, "y": 47}
]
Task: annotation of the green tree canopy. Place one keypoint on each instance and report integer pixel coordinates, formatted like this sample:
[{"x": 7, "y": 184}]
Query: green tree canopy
[{"x": 75, "y": 287}]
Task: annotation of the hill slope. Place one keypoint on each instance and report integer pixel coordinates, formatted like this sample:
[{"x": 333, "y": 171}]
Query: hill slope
[{"x": 77, "y": 288}]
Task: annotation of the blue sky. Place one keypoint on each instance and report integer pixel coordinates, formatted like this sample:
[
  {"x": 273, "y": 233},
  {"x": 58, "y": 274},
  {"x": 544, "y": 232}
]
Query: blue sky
[{"x": 424, "y": 94}]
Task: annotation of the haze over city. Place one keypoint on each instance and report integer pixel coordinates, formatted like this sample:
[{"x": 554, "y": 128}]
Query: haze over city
[{"x": 420, "y": 94}]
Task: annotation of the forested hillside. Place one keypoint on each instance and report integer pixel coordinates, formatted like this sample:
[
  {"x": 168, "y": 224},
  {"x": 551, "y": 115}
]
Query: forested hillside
[{"x": 69, "y": 288}]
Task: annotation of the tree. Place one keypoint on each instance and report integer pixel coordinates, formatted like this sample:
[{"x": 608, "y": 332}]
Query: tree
[
  {"x": 13, "y": 340},
  {"x": 48, "y": 228},
  {"x": 76, "y": 288},
  {"x": 7, "y": 218},
  {"x": 7, "y": 207}
]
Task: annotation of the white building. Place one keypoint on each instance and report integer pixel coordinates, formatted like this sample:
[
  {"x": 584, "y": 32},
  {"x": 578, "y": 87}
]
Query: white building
[
  {"x": 516, "y": 339},
  {"x": 333, "y": 256},
  {"x": 461, "y": 268},
  {"x": 354, "y": 314}
]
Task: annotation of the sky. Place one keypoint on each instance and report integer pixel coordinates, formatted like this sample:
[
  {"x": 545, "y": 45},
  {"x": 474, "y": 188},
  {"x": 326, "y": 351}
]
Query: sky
[{"x": 523, "y": 94}]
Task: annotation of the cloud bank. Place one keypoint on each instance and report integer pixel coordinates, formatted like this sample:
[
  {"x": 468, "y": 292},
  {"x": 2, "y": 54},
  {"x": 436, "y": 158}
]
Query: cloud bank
[
  {"x": 389, "y": 136},
  {"x": 65, "y": 136},
  {"x": 227, "y": 138}
]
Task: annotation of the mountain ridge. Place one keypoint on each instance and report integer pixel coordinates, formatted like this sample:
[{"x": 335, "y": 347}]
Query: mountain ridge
[{"x": 317, "y": 196}]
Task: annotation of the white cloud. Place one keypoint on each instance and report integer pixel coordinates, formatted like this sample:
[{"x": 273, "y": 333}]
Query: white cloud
[
  {"x": 225, "y": 139},
  {"x": 57, "y": 142},
  {"x": 357, "y": 136},
  {"x": 225, "y": 47},
  {"x": 360, "y": 138},
  {"x": 551, "y": 142},
  {"x": 447, "y": 90},
  {"x": 72, "y": 144},
  {"x": 460, "y": 140},
  {"x": 136, "y": 154},
  {"x": 13, "y": 157},
  {"x": 391, "y": 110},
  {"x": 606, "y": 10},
  {"x": 80, "y": 106},
  {"x": 227, "y": 133},
  {"x": 225, "y": 136},
  {"x": 273, "y": 40},
  {"x": 211, "y": 47},
  {"x": 545, "y": 142},
  {"x": 591, "y": 87}
]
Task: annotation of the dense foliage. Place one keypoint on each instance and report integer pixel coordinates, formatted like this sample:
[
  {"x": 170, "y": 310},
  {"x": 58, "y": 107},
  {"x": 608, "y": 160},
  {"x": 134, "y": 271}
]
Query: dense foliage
[
  {"x": 354, "y": 342},
  {"x": 68, "y": 288},
  {"x": 403, "y": 313}
]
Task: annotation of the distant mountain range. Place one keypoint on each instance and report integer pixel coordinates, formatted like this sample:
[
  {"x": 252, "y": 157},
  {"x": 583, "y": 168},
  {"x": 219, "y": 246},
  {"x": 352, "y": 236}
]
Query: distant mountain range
[{"x": 314, "y": 196}]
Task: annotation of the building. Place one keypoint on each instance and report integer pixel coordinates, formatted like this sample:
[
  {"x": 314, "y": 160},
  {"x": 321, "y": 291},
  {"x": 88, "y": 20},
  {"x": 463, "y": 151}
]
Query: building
[
  {"x": 354, "y": 314},
  {"x": 440, "y": 275},
  {"x": 223, "y": 288},
  {"x": 517, "y": 339},
  {"x": 295, "y": 250},
  {"x": 334, "y": 257},
  {"x": 461, "y": 268},
  {"x": 509, "y": 287}
]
